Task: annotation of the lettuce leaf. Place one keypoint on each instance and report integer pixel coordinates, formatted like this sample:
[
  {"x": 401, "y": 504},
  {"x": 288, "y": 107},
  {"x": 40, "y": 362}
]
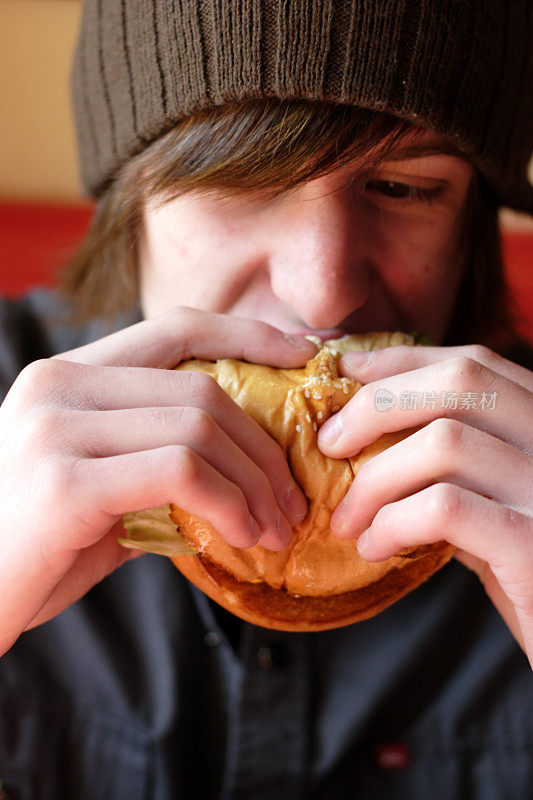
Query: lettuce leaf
[
  {"x": 422, "y": 338},
  {"x": 154, "y": 531}
]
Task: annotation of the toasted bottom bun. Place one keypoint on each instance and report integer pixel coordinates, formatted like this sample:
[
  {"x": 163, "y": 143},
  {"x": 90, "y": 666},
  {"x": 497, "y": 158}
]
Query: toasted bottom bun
[
  {"x": 319, "y": 581},
  {"x": 276, "y": 608}
]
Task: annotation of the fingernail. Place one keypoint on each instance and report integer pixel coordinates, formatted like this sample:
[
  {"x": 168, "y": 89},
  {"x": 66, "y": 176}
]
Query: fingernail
[
  {"x": 362, "y": 541},
  {"x": 300, "y": 341},
  {"x": 357, "y": 359},
  {"x": 255, "y": 530},
  {"x": 340, "y": 516},
  {"x": 283, "y": 528},
  {"x": 330, "y": 431},
  {"x": 295, "y": 504}
]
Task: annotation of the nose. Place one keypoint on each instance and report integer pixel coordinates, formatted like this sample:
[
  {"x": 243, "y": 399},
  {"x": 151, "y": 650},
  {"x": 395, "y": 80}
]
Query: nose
[{"x": 319, "y": 258}]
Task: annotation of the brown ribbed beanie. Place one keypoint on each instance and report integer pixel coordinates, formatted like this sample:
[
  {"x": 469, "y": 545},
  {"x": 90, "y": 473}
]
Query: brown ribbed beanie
[{"x": 463, "y": 67}]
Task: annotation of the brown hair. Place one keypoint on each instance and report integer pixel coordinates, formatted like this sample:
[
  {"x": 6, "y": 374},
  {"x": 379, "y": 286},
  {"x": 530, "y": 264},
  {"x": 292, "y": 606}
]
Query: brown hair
[{"x": 267, "y": 147}]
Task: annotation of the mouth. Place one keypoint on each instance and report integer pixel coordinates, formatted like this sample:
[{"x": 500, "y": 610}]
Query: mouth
[{"x": 334, "y": 333}]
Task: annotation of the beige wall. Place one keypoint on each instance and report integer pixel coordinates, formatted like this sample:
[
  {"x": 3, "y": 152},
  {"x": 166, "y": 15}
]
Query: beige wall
[{"x": 37, "y": 144}]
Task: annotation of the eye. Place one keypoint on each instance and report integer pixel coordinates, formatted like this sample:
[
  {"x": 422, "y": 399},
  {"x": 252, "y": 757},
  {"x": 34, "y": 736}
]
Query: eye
[{"x": 401, "y": 191}]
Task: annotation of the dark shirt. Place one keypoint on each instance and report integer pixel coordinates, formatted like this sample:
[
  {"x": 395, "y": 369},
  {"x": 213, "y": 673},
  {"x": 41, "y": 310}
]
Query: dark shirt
[{"x": 145, "y": 688}]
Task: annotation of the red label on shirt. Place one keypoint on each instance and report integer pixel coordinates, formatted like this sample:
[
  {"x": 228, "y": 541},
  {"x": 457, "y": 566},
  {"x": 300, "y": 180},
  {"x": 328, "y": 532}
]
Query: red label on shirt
[{"x": 392, "y": 755}]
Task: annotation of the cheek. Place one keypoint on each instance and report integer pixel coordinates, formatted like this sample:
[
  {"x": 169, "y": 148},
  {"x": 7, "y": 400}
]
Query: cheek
[
  {"x": 418, "y": 258},
  {"x": 193, "y": 258},
  {"x": 180, "y": 251},
  {"x": 176, "y": 251},
  {"x": 173, "y": 267},
  {"x": 416, "y": 263}
]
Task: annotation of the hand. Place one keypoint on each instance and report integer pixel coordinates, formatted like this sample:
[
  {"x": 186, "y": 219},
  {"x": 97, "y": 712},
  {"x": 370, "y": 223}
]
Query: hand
[
  {"x": 105, "y": 429},
  {"x": 466, "y": 476}
]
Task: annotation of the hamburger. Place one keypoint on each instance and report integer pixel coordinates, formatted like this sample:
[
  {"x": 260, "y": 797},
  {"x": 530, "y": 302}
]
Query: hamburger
[{"x": 319, "y": 581}]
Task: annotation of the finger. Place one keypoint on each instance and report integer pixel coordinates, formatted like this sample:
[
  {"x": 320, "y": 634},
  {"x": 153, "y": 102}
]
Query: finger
[
  {"x": 91, "y": 566},
  {"x": 377, "y": 364},
  {"x": 102, "y": 434},
  {"x": 181, "y": 333},
  {"x": 119, "y": 388},
  {"x": 445, "y": 451},
  {"x": 495, "y": 533},
  {"x": 458, "y": 388},
  {"x": 113, "y": 486},
  {"x": 492, "y": 533}
]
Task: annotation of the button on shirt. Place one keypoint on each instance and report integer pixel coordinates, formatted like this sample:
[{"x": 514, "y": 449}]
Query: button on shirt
[{"x": 145, "y": 688}]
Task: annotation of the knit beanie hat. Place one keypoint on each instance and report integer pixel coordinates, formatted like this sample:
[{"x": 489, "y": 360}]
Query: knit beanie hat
[{"x": 462, "y": 67}]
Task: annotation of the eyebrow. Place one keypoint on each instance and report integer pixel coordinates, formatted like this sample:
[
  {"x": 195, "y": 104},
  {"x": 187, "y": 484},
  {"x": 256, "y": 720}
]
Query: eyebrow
[{"x": 420, "y": 149}]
